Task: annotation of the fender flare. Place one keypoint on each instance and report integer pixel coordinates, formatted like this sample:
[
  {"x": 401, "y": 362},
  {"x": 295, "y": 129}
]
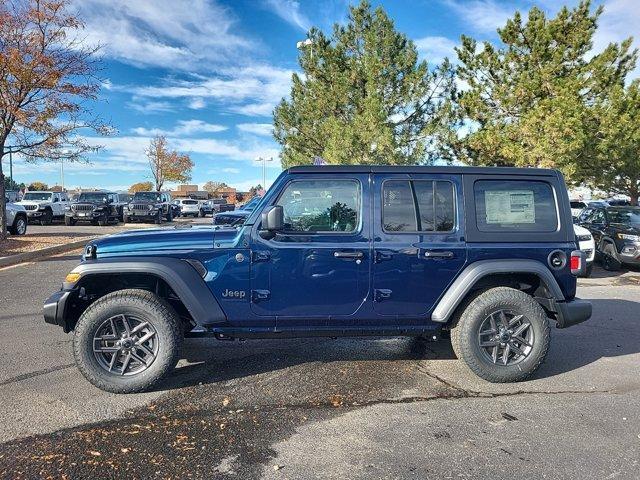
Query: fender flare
[
  {"x": 458, "y": 290},
  {"x": 183, "y": 279}
]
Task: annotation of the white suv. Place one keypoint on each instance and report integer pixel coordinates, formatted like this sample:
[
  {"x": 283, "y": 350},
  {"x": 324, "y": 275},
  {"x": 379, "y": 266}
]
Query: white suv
[
  {"x": 16, "y": 219},
  {"x": 188, "y": 206},
  {"x": 44, "y": 206}
]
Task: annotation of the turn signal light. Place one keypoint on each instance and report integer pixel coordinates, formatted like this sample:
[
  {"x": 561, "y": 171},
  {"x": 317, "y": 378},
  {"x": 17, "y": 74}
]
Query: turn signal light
[{"x": 72, "y": 277}]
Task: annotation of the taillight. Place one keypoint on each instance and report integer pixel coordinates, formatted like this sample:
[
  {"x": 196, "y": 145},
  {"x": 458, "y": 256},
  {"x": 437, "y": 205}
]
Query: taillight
[{"x": 577, "y": 262}]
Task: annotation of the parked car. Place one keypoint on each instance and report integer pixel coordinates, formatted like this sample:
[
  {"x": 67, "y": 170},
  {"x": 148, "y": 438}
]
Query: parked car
[
  {"x": 236, "y": 217},
  {"x": 44, "y": 206},
  {"x": 576, "y": 207},
  {"x": 206, "y": 208},
  {"x": 188, "y": 207},
  {"x": 99, "y": 208},
  {"x": 220, "y": 205},
  {"x": 12, "y": 196},
  {"x": 149, "y": 207},
  {"x": 616, "y": 233},
  {"x": 16, "y": 218},
  {"x": 587, "y": 245},
  {"x": 486, "y": 254}
]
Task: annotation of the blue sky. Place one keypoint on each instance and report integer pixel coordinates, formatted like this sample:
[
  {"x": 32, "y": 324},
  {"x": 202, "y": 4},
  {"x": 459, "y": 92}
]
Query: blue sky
[{"x": 207, "y": 74}]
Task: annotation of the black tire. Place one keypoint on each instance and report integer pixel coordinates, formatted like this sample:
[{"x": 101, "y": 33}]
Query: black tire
[
  {"x": 465, "y": 334},
  {"x": 158, "y": 219},
  {"x": 588, "y": 270},
  {"x": 125, "y": 218},
  {"x": 69, "y": 221},
  {"x": 103, "y": 220},
  {"x": 170, "y": 215},
  {"x": 610, "y": 260},
  {"x": 202, "y": 214},
  {"x": 47, "y": 217},
  {"x": 141, "y": 304},
  {"x": 19, "y": 226}
]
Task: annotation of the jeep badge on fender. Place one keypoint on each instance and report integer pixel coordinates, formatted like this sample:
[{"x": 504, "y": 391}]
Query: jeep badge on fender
[{"x": 488, "y": 255}]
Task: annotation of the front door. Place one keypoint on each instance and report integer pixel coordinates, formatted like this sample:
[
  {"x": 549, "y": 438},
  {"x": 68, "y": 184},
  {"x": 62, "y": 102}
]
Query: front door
[
  {"x": 419, "y": 245},
  {"x": 316, "y": 271}
]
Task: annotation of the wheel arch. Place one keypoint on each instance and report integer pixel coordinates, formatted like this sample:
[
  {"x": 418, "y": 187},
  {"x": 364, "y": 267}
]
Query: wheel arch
[
  {"x": 175, "y": 279},
  {"x": 530, "y": 276}
]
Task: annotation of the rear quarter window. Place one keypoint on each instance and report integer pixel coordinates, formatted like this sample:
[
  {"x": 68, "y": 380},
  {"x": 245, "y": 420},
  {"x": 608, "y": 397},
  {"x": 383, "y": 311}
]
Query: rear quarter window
[{"x": 515, "y": 206}]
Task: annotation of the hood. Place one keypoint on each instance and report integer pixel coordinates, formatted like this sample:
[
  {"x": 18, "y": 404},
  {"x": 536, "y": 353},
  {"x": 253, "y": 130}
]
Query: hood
[
  {"x": 625, "y": 228},
  {"x": 159, "y": 240},
  {"x": 578, "y": 230}
]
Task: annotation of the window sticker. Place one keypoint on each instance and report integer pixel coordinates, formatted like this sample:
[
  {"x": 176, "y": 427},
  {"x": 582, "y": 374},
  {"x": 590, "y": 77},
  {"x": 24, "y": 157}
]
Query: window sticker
[{"x": 510, "y": 206}]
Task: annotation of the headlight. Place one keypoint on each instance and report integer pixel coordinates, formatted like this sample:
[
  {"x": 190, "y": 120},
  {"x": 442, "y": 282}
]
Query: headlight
[
  {"x": 67, "y": 208},
  {"x": 584, "y": 238},
  {"x": 626, "y": 236},
  {"x": 151, "y": 207}
]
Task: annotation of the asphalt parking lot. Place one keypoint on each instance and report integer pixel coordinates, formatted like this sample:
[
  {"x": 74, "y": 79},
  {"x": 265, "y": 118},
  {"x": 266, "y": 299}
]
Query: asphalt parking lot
[{"x": 322, "y": 408}]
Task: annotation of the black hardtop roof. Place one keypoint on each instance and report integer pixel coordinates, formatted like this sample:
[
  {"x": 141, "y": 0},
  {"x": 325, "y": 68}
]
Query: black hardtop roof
[
  {"x": 422, "y": 169},
  {"x": 617, "y": 207},
  {"x": 104, "y": 192}
]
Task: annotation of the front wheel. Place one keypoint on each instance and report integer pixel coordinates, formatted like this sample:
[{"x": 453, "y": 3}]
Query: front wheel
[
  {"x": 158, "y": 219},
  {"x": 127, "y": 341},
  {"x": 610, "y": 260},
  {"x": 502, "y": 335},
  {"x": 47, "y": 218},
  {"x": 170, "y": 215},
  {"x": 19, "y": 226}
]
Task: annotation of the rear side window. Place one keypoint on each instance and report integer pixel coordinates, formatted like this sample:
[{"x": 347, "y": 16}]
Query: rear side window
[
  {"x": 418, "y": 206},
  {"x": 515, "y": 206},
  {"x": 321, "y": 206}
]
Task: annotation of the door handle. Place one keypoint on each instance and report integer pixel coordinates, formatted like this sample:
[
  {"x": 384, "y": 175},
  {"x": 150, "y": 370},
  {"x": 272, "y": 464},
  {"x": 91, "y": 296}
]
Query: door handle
[
  {"x": 348, "y": 254},
  {"x": 438, "y": 254}
]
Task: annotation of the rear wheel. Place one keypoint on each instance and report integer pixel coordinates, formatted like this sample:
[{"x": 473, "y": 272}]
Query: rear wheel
[
  {"x": 127, "y": 341},
  {"x": 502, "y": 335},
  {"x": 610, "y": 258}
]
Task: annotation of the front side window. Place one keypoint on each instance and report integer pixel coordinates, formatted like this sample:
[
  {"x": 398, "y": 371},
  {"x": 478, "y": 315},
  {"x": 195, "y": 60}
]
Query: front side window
[
  {"x": 321, "y": 206},
  {"x": 418, "y": 206},
  {"x": 515, "y": 206}
]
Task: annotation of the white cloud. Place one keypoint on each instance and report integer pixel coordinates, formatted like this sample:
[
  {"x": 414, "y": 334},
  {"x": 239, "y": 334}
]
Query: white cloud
[
  {"x": 252, "y": 91},
  {"x": 174, "y": 34},
  {"x": 435, "y": 49},
  {"x": 231, "y": 170},
  {"x": 620, "y": 20},
  {"x": 197, "y": 104},
  {"x": 183, "y": 127},
  {"x": 264, "y": 129},
  {"x": 484, "y": 16},
  {"x": 149, "y": 106},
  {"x": 289, "y": 11}
]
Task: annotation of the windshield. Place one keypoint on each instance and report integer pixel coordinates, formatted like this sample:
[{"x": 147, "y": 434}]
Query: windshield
[
  {"x": 578, "y": 205},
  {"x": 147, "y": 196},
  {"x": 626, "y": 216},
  {"x": 37, "y": 196},
  {"x": 189, "y": 202},
  {"x": 251, "y": 204},
  {"x": 94, "y": 197}
]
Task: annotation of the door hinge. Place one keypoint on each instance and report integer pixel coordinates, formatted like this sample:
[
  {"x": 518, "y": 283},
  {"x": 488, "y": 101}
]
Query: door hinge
[
  {"x": 261, "y": 256},
  {"x": 381, "y": 294},
  {"x": 259, "y": 295}
]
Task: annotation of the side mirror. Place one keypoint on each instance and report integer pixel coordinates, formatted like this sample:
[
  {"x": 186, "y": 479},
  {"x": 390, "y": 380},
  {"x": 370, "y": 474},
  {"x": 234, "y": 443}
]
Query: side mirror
[{"x": 273, "y": 218}]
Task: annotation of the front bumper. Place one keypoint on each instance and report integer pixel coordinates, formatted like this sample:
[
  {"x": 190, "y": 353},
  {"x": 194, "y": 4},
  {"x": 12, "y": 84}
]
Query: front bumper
[
  {"x": 572, "y": 312},
  {"x": 83, "y": 215},
  {"x": 54, "y": 309},
  {"x": 35, "y": 213},
  {"x": 149, "y": 216}
]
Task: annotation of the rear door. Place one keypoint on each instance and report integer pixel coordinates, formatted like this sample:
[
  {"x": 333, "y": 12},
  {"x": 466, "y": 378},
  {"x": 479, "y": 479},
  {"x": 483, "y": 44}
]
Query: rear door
[{"x": 419, "y": 245}]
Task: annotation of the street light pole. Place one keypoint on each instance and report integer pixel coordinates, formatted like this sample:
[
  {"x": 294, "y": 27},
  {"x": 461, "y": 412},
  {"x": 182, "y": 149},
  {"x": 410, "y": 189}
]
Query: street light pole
[{"x": 264, "y": 161}]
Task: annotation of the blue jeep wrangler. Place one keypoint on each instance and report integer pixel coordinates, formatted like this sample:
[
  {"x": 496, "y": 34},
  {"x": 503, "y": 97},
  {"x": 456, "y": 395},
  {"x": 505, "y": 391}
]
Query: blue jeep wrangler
[{"x": 485, "y": 255}]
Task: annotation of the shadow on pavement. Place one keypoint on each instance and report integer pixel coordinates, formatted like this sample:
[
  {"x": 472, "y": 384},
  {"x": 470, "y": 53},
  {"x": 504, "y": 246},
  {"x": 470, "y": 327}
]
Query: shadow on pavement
[{"x": 612, "y": 331}]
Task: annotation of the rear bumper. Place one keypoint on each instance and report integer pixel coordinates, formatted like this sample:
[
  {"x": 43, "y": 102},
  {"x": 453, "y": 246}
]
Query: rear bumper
[
  {"x": 572, "y": 312},
  {"x": 54, "y": 309}
]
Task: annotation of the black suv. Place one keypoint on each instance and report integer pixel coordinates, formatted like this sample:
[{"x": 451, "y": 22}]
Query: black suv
[
  {"x": 616, "y": 233},
  {"x": 99, "y": 208},
  {"x": 149, "y": 207}
]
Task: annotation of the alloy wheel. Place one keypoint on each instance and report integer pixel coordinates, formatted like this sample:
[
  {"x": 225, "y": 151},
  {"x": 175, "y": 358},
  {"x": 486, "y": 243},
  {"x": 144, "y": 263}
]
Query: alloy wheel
[
  {"x": 505, "y": 337},
  {"x": 125, "y": 345}
]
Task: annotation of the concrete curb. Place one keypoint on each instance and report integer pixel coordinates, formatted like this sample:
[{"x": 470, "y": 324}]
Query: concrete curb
[{"x": 43, "y": 252}]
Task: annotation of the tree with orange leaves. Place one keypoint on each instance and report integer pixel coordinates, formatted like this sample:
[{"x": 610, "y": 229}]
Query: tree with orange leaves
[
  {"x": 47, "y": 77},
  {"x": 167, "y": 165}
]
